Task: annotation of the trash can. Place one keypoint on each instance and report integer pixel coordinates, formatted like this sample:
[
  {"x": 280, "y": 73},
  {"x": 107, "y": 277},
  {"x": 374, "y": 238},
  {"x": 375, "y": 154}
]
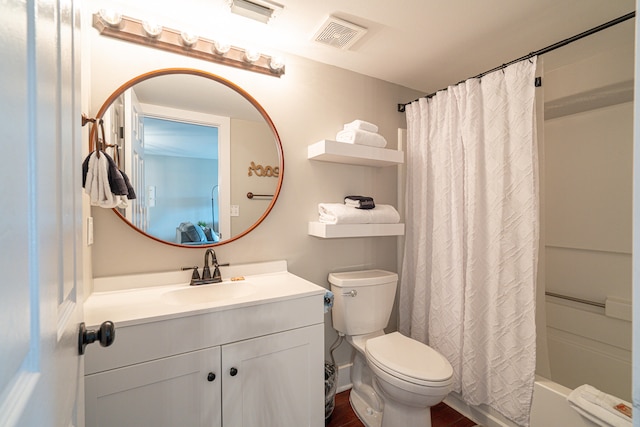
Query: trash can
[{"x": 330, "y": 384}]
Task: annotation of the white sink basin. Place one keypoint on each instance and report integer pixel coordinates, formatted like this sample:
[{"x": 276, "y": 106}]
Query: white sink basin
[{"x": 208, "y": 293}]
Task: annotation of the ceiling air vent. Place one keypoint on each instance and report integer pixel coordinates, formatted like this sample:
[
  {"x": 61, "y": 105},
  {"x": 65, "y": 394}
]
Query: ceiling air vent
[{"x": 338, "y": 33}]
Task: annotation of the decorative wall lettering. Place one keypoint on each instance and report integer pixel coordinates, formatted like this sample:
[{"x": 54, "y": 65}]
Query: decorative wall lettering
[{"x": 259, "y": 170}]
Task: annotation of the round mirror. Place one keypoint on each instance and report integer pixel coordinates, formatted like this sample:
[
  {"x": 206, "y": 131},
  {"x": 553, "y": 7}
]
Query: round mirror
[{"x": 204, "y": 158}]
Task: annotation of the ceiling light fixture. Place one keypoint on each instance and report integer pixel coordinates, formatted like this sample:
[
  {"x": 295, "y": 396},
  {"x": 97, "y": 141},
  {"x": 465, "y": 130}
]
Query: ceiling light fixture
[{"x": 258, "y": 10}]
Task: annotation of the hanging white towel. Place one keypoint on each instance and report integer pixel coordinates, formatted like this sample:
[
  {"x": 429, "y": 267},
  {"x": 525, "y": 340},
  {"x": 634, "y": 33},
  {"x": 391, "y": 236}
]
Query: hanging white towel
[
  {"x": 601, "y": 408},
  {"x": 339, "y": 213},
  {"x": 361, "y": 124},
  {"x": 97, "y": 184},
  {"x": 362, "y": 137}
]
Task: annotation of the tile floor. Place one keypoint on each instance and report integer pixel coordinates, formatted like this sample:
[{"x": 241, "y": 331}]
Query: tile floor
[{"x": 441, "y": 415}]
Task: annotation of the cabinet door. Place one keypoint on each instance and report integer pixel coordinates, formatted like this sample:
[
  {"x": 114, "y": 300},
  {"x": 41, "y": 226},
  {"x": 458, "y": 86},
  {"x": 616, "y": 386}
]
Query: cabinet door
[
  {"x": 174, "y": 391},
  {"x": 275, "y": 381}
]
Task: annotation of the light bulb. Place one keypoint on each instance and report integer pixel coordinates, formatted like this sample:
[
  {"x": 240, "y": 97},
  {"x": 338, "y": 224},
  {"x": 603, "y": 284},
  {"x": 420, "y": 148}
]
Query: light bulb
[
  {"x": 110, "y": 17},
  {"x": 188, "y": 38},
  {"x": 276, "y": 63},
  {"x": 251, "y": 55},
  {"x": 153, "y": 29},
  {"x": 221, "y": 47}
]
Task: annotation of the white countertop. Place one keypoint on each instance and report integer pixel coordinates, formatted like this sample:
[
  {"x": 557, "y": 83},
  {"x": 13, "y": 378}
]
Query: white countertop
[{"x": 129, "y": 305}]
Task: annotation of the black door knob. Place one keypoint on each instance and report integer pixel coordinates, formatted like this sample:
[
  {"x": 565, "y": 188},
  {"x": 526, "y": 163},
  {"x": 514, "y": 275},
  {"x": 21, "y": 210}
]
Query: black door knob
[
  {"x": 211, "y": 376},
  {"x": 105, "y": 335},
  {"x": 233, "y": 372}
]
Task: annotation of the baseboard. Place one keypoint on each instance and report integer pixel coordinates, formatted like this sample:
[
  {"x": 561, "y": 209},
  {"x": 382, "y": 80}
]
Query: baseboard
[{"x": 344, "y": 377}]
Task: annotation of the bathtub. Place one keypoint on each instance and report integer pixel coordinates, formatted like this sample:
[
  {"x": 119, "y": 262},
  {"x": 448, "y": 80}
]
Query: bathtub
[{"x": 549, "y": 409}]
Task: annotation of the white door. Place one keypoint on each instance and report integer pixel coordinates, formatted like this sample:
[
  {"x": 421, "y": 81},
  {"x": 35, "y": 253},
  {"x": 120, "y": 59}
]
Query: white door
[
  {"x": 137, "y": 212},
  {"x": 40, "y": 231}
]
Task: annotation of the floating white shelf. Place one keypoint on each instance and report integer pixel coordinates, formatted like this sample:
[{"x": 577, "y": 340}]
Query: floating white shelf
[
  {"x": 330, "y": 231},
  {"x": 354, "y": 154}
]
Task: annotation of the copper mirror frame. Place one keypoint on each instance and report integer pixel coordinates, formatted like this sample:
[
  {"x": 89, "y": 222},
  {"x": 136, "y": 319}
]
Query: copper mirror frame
[{"x": 195, "y": 72}]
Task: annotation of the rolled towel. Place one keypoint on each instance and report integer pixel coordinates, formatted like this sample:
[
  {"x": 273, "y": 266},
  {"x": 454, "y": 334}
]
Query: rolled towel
[
  {"x": 360, "y": 202},
  {"x": 601, "y": 408},
  {"x": 362, "y": 137},
  {"x": 362, "y": 125},
  {"x": 339, "y": 213}
]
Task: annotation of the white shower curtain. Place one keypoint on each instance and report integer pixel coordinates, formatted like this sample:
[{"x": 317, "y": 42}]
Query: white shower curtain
[{"x": 471, "y": 247}]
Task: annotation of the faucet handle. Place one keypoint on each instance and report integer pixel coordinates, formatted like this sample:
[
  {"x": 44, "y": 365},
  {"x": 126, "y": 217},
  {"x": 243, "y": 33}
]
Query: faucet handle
[
  {"x": 217, "y": 277},
  {"x": 195, "y": 275}
]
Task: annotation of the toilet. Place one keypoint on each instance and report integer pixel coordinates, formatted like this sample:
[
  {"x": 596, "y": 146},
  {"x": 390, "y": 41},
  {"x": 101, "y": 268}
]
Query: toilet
[{"x": 396, "y": 380}]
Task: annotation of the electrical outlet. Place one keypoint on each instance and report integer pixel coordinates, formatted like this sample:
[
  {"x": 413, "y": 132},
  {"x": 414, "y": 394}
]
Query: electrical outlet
[{"x": 235, "y": 210}]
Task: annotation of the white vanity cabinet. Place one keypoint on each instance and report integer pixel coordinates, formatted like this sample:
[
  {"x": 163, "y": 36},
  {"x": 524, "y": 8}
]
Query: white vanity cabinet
[
  {"x": 275, "y": 382},
  {"x": 266, "y": 381},
  {"x": 253, "y": 363},
  {"x": 173, "y": 391}
]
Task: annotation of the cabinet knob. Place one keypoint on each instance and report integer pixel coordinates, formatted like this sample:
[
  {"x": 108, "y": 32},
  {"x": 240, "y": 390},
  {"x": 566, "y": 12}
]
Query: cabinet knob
[
  {"x": 211, "y": 376},
  {"x": 105, "y": 335},
  {"x": 233, "y": 372}
]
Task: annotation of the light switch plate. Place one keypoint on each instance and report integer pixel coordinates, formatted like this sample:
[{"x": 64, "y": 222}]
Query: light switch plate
[{"x": 235, "y": 210}]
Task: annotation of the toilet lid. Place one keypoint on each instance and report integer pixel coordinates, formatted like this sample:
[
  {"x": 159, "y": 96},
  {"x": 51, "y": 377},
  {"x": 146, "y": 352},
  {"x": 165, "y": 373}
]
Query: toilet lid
[{"x": 408, "y": 359}]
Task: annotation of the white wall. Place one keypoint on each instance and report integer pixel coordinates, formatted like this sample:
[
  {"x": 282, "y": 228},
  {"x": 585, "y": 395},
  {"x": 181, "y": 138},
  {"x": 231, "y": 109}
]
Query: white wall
[
  {"x": 309, "y": 103},
  {"x": 257, "y": 146}
]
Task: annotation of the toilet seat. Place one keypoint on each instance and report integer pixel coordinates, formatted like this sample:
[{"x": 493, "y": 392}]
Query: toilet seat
[{"x": 409, "y": 360}]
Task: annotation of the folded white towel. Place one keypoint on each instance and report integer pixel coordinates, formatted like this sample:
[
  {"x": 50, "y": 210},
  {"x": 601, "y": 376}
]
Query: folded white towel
[
  {"x": 601, "y": 408},
  {"x": 339, "y": 213},
  {"x": 362, "y": 125},
  {"x": 362, "y": 137},
  {"x": 97, "y": 184}
]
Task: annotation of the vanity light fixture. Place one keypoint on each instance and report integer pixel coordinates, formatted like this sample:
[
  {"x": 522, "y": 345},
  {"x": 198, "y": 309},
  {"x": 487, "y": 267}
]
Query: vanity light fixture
[
  {"x": 170, "y": 40},
  {"x": 152, "y": 29},
  {"x": 110, "y": 17},
  {"x": 189, "y": 39}
]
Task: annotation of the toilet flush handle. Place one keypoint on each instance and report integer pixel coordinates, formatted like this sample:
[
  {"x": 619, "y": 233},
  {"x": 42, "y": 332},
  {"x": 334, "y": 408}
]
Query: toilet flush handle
[{"x": 351, "y": 293}]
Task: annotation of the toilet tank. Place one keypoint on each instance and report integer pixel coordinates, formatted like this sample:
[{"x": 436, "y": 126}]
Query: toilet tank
[{"x": 362, "y": 300}]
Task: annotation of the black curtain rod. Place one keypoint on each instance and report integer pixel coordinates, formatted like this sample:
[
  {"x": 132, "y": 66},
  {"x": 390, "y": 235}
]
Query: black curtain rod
[{"x": 401, "y": 107}]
